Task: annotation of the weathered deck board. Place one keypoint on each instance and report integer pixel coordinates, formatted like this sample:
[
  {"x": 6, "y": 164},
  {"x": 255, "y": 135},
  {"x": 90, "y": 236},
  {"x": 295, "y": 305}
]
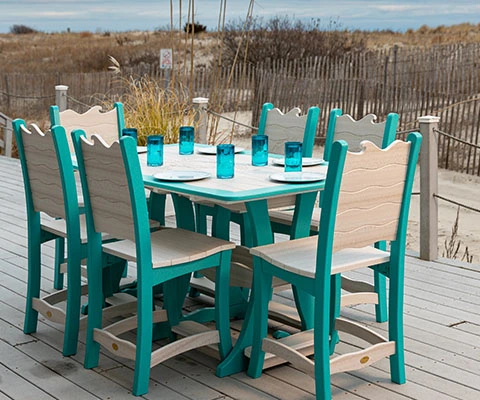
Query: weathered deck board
[{"x": 442, "y": 329}]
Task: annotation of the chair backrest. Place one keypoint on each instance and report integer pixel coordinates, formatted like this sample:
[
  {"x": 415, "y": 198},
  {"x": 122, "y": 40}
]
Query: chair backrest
[
  {"x": 47, "y": 172},
  {"x": 344, "y": 127},
  {"x": 112, "y": 186},
  {"x": 291, "y": 126},
  {"x": 367, "y": 196},
  {"x": 108, "y": 124}
]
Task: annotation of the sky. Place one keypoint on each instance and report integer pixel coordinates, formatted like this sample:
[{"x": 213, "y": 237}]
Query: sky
[{"x": 121, "y": 15}]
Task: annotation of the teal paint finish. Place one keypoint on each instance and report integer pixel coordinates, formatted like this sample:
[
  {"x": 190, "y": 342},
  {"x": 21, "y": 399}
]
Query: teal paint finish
[
  {"x": 37, "y": 236},
  {"x": 324, "y": 286},
  {"x": 173, "y": 278}
]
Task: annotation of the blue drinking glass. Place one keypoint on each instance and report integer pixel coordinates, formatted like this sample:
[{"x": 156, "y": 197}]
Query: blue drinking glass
[
  {"x": 155, "y": 151},
  {"x": 186, "y": 139},
  {"x": 132, "y": 132},
  {"x": 225, "y": 161},
  {"x": 293, "y": 156},
  {"x": 259, "y": 150}
]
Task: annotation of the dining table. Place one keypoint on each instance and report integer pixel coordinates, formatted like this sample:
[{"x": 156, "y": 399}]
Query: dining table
[{"x": 191, "y": 179}]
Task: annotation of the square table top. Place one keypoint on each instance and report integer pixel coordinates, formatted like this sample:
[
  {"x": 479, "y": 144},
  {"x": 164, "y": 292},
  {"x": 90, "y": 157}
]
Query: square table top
[{"x": 249, "y": 183}]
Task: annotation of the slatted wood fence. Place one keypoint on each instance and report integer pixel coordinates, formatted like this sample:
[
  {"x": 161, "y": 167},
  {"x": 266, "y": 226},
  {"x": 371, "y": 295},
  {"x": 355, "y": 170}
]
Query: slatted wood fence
[{"x": 442, "y": 81}]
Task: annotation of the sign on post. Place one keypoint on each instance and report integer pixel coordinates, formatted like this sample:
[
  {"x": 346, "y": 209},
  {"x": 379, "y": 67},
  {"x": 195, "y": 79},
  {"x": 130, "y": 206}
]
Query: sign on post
[
  {"x": 166, "y": 61},
  {"x": 166, "y": 58}
]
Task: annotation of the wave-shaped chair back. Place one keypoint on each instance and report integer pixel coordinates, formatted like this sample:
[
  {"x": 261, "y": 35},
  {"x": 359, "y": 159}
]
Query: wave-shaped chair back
[
  {"x": 344, "y": 127},
  {"x": 288, "y": 127},
  {"x": 41, "y": 170},
  {"x": 374, "y": 194},
  {"x": 105, "y": 185},
  {"x": 107, "y": 124}
]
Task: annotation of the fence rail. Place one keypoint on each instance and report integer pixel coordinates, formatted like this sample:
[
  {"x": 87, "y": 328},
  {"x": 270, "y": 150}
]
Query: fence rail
[{"x": 442, "y": 81}]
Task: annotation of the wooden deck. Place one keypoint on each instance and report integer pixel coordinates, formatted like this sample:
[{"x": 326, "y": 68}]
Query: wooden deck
[{"x": 442, "y": 327}]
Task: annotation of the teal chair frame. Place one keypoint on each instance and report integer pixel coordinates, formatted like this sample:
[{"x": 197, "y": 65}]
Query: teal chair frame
[
  {"x": 95, "y": 121},
  {"x": 39, "y": 233},
  {"x": 320, "y": 281},
  {"x": 135, "y": 229},
  {"x": 55, "y": 119},
  {"x": 383, "y": 141}
]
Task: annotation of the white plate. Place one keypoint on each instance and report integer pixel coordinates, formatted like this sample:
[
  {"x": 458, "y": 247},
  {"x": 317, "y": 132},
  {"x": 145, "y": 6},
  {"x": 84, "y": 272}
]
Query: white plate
[
  {"x": 306, "y": 161},
  {"x": 181, "y": 176},
  {"x": 141, "y": 149},
  {"x": 212, "y": 150},
  {"x": 298, "y": 177}
]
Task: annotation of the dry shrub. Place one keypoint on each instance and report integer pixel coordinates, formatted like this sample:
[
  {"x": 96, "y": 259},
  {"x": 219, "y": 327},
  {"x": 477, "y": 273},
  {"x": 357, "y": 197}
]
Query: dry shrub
[
  {"x": 21, "y": 30},
  {"x": 285, "y": 38},
  {"x": 154, "y": 110},
  {"x": 453, "y": 244}
]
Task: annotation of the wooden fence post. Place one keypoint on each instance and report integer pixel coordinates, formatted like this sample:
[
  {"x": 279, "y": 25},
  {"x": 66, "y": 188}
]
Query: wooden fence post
[
  {"x": 200, "y": 104},
  {"x": 6, "y": 142},
  {"x": 61, "y": 97},
  {"x": 429, "y": 188}
]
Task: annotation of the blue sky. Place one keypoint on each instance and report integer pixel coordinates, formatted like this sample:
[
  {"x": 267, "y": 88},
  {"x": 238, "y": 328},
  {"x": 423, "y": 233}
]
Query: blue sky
[{"x": 121, "y": 15}]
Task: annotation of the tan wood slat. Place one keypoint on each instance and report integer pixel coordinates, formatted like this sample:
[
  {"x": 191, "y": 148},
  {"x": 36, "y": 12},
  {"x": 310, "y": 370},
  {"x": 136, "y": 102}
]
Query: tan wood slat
[
  {"x": 287, "y": 353},
  {"x": 92, "y": 121},
  {"x": 362, "y": 358},
  {"x": 183, "y": 345},
  {"x": 282, "y": 128},
  {"x": 358, "y": 298},
  {"x": 171, "y": 247}
]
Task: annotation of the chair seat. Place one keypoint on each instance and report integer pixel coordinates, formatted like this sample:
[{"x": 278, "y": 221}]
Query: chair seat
[
  {"x": 300, "y": 256},
  {"x": 285, "y": 217},
  {"x": 172, "y": 247},
  {"x": 59, "y": 227}
]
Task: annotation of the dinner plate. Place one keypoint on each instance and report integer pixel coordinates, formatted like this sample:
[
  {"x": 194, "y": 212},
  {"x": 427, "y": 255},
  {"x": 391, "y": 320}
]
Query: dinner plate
[
  {"x": 306, "y": 161},
  {"x": 213, "y": 149},
  {"x": 298, "y": 177},
  {"x": 141, "y": 149},
  {"x": 181, "y": 176}
]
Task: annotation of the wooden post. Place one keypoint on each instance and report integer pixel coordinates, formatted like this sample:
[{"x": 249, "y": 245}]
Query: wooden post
[
  {"x": 61, "y": 97},
  {"x": 200, "y": 104},
  {"x": 6, "y": 142},
  {"x": 429, "y": 188}
]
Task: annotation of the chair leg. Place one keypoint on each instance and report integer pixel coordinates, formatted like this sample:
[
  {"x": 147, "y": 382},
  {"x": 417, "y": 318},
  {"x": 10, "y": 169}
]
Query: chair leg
[
  {"x": 380, "y": 286},
  {"x": 222, "y": 304},
  {"x": 262, "y": 288},
  {"x": 335, "y": 299},
  {"x": 72, "y": 319},
  {"x": 95, "y": 305},
  {"x": 321, "y": 348},
  {"x": 33, "y": 282},
  {"x": 380, "y": 283},
  {"x": 395, "y": 324},
  {"x": 144, "y": 338},
  {"x": 59, "y": 259}
]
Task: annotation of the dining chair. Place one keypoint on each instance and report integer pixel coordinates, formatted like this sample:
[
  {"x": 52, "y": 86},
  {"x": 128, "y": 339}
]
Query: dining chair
[
  {"x": 366, "y": 200},
  {"x": 280, "y": 128},
  {"x": 291, "y": 126},
  {"x": 115, "y": 203},
  {"x": 109, "y": 125},
  {"x": 344, "y": 127},
  {"x": 52, "y": 214}
]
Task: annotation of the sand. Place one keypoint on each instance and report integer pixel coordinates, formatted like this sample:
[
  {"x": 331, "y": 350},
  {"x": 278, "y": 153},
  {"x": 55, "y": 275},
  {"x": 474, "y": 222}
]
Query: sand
[{"x": 456, "y": 186}]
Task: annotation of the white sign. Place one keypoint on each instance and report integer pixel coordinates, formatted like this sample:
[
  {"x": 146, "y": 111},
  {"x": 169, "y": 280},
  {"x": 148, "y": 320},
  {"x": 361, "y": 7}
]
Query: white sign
[{"x": 166, "y": 58}]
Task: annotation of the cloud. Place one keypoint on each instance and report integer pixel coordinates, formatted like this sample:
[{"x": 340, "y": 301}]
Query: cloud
[{"x": 59, "y": 14}]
